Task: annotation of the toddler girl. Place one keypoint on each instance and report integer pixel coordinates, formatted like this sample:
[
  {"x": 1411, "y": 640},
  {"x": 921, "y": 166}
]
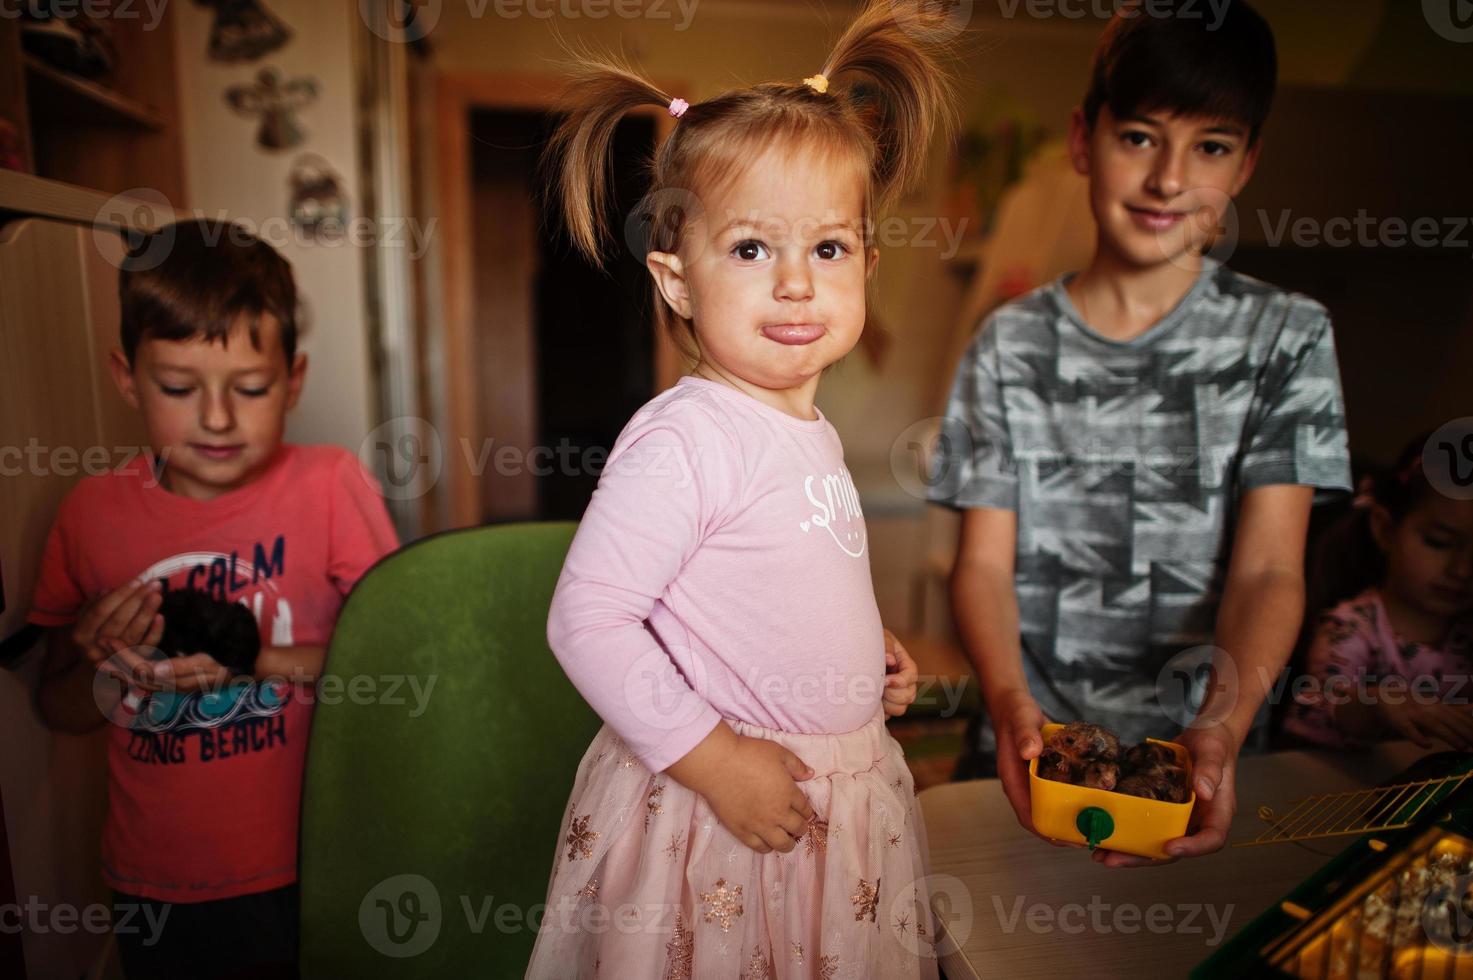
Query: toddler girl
[{"x": 743, "y": 812}]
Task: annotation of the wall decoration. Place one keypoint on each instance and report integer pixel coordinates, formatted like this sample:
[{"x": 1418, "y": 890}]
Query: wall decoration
[
  {"x": 54, "y": 33},
  {"x": 276, "y": 101},
  {"x": 244, "y": 30},
  {"x": 319, "y": 205}
]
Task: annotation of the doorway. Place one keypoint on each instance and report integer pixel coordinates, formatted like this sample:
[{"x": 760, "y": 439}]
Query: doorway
[
  {"x": 565, "y": 350},
  {"x": 541, "y": 357}
]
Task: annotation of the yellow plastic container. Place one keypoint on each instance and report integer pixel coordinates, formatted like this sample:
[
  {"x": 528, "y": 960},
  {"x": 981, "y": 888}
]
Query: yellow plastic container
[{"x": 1115, "y": 821}]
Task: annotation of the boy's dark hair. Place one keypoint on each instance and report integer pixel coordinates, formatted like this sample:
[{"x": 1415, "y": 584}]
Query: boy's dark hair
[
  {"x": 1174, "y": 58},
  {"x": 197, "y": 278}
]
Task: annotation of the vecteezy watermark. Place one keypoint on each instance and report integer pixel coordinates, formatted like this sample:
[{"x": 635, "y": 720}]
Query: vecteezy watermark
[
  {"x": 1201, "y": 222},
  {"x": 1447, "y": 459},
  {"x": 936, "y": 457},
  {"x": 142, "y": 216},
  {"x": 932, "y": 19},
  {"x": 660, "y": 220},
  {"x": 1101, "y": 918},
  {"x": 833, "y": 687},
  {"x": 401, "y": 916},
  {"x": 407, "y": 454},
  {"x": 1186, "y": 681},
  {"x": 1212, "y": 12},
  {"x": 667, "y": 687},
  {"x": 150, "y": 11},
  {"x": 680, "y": 11},
  {"x": 1447, "y": 917},
  {"x": 38, "y": 459},
  {"x": 39, "y": 917},
  {"x": 408, "y": 21},
  {"x": 1369, "y": 690},
  {"x": 409, "y": 457},
  {"x": 361, "y": 231},
  {"x": 1365, "y": 230},
  {"x": 1451, "y": 19},
  {"x": 145, "y": 219},
  {"x": 230, "y": 714},
  {"x": 404, "y": 915},
  {"x": 934, "y": 918}
]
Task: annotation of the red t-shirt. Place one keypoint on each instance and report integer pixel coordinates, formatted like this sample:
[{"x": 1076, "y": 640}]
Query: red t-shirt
[{"x": 204, "y": 789}]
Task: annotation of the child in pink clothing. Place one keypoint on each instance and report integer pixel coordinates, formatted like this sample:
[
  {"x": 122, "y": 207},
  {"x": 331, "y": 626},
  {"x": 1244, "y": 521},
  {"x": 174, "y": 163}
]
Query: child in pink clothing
[
  {"x": 1396, "y": 658},
  {"x": 743, "y": 812}
]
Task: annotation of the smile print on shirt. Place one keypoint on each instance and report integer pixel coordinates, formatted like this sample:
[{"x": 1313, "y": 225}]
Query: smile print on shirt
[{"x": 836, "y": 503}]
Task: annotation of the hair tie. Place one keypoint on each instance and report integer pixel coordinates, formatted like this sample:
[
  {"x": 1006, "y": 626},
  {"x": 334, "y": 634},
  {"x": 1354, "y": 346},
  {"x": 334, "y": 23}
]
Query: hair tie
[
  {"x": 678, "y": 107},
  {"x": 819, "y": 83}
]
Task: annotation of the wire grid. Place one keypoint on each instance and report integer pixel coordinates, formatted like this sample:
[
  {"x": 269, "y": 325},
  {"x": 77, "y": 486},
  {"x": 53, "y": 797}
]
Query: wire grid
[{"x": 1354, "y": 812}]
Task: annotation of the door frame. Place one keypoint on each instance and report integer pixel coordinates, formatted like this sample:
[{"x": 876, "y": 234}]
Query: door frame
[{"x": 456, "y": 95}]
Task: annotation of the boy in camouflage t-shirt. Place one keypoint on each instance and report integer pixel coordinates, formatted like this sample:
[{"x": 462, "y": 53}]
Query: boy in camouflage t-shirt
[{"x": 1135, "y": 447}]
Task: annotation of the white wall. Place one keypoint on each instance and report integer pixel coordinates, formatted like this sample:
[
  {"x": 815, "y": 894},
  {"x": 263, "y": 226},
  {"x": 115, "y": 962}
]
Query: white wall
[{"x": 225, "y": 169}]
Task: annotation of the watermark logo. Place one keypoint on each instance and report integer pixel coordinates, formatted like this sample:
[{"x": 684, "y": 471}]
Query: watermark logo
[
  {"x": 1447, "y": 459},
  {"x": 920, "y": 458},
  {"x": 1208, "y": 226},
  {"x": 664, "y": 696},
  {"x": 1447, "y": 917},
  {"x": 407, "y": 451},
  {"x": 1184, "y": 682},
  {"x": 949, "y": 924},
  {"x": 403, "y": 21},
  {"x": 151, "y": 12},
  {"x": 658, "y": 221},
  {"x": 932, "y": 20},
  {"x": 1211, "y": 12},
  {"x": 1451, "y": 19},
  {"x": 400, "y": 916},
  {"x": 1103, "y": 918},
  {"x": 134, "y": 214},
  {"x": 1363, "y": 230}
]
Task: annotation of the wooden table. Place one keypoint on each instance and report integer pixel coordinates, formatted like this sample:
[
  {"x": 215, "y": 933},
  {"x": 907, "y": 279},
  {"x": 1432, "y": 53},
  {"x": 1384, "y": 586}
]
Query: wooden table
[{"x": 1011, "y": 905}]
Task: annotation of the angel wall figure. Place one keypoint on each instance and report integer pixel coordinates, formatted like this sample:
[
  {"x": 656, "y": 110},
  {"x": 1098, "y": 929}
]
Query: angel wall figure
[
  {"x": 244, "y": 30},
  {"x": 318, "y": 204},
  {"x": 276, "y": 101}
]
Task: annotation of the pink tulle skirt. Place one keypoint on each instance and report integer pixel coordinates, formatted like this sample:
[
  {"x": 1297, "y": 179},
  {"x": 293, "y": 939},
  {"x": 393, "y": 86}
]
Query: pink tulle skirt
[{"x": 648, "y": 883}]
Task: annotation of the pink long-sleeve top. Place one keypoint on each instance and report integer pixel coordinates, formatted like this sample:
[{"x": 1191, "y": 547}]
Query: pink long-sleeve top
[{"x": 721, "y": 570}]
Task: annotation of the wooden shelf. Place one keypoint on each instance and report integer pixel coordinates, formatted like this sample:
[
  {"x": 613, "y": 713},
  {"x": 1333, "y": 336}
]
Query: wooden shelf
[
  {"x": 38, "y": 197},
  {"x": 69, "y": 100}
]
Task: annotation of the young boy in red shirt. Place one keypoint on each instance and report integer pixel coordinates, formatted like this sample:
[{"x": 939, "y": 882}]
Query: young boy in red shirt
[{"x": 204, "y": 769}]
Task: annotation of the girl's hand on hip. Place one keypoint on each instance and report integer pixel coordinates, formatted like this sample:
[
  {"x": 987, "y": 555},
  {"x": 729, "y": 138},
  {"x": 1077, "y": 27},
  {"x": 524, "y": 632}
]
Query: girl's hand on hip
[{"x": 757, "y": 797}]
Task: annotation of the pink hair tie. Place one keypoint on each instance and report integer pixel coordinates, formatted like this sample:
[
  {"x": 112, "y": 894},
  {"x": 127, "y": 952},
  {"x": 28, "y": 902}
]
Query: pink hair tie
[{"x": 678, "y": 107}]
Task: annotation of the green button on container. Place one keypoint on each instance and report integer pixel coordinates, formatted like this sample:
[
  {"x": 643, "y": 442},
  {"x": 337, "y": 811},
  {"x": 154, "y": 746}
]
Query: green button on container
[{"x": 1095, "y": 824}]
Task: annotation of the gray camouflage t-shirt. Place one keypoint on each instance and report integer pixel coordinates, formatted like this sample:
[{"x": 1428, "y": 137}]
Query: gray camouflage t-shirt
[{"x": 1125, "y": 463}]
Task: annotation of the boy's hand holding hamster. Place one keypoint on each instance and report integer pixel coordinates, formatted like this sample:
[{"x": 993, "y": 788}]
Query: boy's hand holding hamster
[
  {"x": 111, "y": 626},
  {"x": 752, "y": 787}
]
